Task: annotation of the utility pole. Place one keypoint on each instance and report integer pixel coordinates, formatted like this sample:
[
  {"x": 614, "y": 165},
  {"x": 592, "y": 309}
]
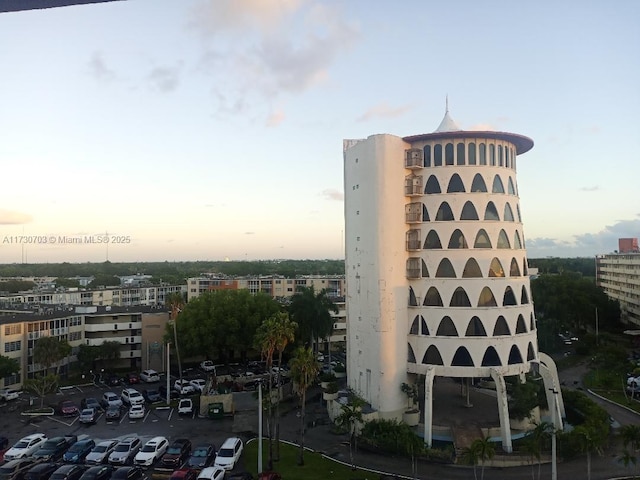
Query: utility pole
[
  {"x": 554, "y": 460},
  {"x": 259, "y": 427}
]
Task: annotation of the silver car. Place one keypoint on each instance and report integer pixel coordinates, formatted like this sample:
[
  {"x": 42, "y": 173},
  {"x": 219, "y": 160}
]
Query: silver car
[{"x": 100, "y": 452}]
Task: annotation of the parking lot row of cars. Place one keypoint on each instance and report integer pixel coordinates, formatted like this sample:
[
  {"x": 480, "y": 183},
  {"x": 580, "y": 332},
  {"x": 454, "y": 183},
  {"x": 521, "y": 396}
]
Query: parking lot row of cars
[{"x": 36, "y": 457}]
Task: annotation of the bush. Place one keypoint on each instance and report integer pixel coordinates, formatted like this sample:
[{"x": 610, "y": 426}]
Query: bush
[
  {"x": 331, "y": 388},
  {"x": 327, "y": 377},
  {"x": 340, "y": 368}
]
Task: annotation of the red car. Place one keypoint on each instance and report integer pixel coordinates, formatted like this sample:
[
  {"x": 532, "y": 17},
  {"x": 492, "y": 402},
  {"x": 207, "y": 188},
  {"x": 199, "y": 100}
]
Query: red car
[
  {"x": 184, "y": 474},
  {"x": 4, "y": 446},
  {"x": 67, "y": 408}
]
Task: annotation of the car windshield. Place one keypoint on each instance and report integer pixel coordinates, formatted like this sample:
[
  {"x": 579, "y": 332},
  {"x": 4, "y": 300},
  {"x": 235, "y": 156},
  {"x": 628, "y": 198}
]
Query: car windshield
[
  {"x": 200, "y": 453},
  {"x": 225, "y": 452},
  {"x": 87, "y": 411},
  {"x": 21, "y": 444},
  {"x": 122, "y": 447},
  {"x": 134, "y": 394},
  {"x": 76, "y": 447},
  {"x": 174, "y": 450},
  {"x": 100, "y": 449},
  {"x": 112, "y": 398},
  {"x": 149, "y": 448}
]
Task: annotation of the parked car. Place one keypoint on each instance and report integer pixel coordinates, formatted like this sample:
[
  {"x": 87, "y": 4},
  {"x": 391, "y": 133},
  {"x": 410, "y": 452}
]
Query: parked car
[
  {"x": 100, "y": 452},
  {"x": 16, "y": 469},
  {"x": 152, "y": 396},
  {"x": 212, "y": 473},
  {"x": 7, "y": 394},
  {"x": 4, "y": 446},
  {"x": 67, "y": 408},
  {"x": 110, "y": 399},
  {"x": 112, "y": 380},
  {"x": 202, "y": 456},
  {"x": 67, "y": 472},
  {"x": 53, "y": 449},
  {"x": 101, "y": 472},
  {"x": 125, "y": 451},
  {"x": 151, "y": 452},
  {"x": 130, "y": 396},
  {"x": 88, "y": 415},
  {"x": 208, "y": 366},
  {"x": 198, "y": 384},
  {"x": 128, "y": 473},
  {"x": 41, "y": 471},
  {"x": 90, "y": 402},
  {"x": 150, "y": 376},
  {"x": 185, "y": 407},
  {"x": 184, "y": 474},
  {"x": 78, "y": 451},
  {"x": 177, "y": 453},
  {"x": 183, "y": 387},
  {"x": 25, "y": 446},
  {"x": 137, "y": 411},
  {"x": 239, "y": 476},
  {"x": 229, "y": 453},
  {"x": 113, "y": 413},
  {"x": 131, "y": 378}
]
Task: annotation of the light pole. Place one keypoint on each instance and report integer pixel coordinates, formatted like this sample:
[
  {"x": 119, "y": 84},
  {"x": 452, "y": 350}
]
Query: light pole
[
  {"x": 554, "y": 461},
  {"x": 259, "y": 426},
  {"x": 168, "y": 376}
]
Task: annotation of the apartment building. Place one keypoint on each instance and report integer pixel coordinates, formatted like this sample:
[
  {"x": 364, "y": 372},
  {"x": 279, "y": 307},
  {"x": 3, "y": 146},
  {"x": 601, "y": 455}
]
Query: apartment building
[{"x": 618, "y": 274}]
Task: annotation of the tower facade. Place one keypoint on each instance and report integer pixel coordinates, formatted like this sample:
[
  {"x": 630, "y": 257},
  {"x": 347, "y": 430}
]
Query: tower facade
[{"x": 436, "y": 266}]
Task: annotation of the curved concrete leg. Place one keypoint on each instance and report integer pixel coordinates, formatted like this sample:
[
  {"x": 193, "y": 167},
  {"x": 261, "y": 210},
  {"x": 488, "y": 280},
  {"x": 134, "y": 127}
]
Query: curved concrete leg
[
  {"x": 503, "y": 410},
  {"x": 428, "y": 406}
]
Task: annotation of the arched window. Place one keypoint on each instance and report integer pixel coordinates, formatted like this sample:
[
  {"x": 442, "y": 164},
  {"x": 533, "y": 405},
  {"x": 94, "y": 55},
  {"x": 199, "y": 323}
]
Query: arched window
[
  {"x": 514, "y": 356},
  {"x": 483, "y": 154},
  {"x": 415, "y": 326},
  {"x": 503, "y": 240},
  {"x": 531, "y": 354},
  {"x": 518, "y": 210},
  {"x": 472, "y": 153},
  {"x": 501, "y": 328},
  {"x": 500, "y": 157},
  {"x": 432, "y": 298},
  {"x": 462, "y": 358},
  {"x": 427, "y": 155},
  {"x": 491, "y": 358},
  {"x": 444, "y": 213},
  {"x": 432, "y": 241},
  {"x": 478, "y": 184},
  {"x": 448, "y": 154},
  {"x": 425, "y": 214},
  {"x": 424, "y": 330},
  {"x": 486, "y": 298},
  {"x": 433, "y": 186},
  {"x": 471, "y": 269},
  {"x": 514, "y": 270},
  {"x": 457, "y": 240},
  {"x": 492, "y": 155},
  {"x": 475, "y": 328},
  {"x": 491, "y": 213},
  {"x": 425, "y": 270},
  {"x": 507, "y": 159},
  {"x": 508, "y": 213},
  {"x": 525, "y": 269},
  {"x": 495, "y": 269},
  {"x": 532, "y": 323},
  {"x": 446, "y": 328},
  {"x": 482, "y": 240},
  {"x": 524, "y": 297},
  {"x": 469, "y": 212},
  {"x": 432, "y": 356},
  {"x": 413, "y": 302},
  {"x": 520, "y": 325},
  {"x": 455, "y": 184},
  {"x": 411, "y": 357},
  {"x": 517, "y": 244},
  {"x": 509, "y": 299},
  {"x": 460, "y": 160},
  {"x": 511, "y": 190},
  {"x": 459, "y": 298},
  {"x": 445, "y": 269},
  {"x": 498, "y": 187},
  {"x": 437, "y": 155}
]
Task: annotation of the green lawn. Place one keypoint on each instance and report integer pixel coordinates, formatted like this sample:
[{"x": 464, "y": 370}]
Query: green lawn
[{"x": 315, "y": 467}]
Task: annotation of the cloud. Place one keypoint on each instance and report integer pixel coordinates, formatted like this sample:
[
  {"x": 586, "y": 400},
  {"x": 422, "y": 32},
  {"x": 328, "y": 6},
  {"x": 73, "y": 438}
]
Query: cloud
[
  {"x": 275, "y": 119},
  {"x": 249, "y": 233},
  {"x": 165, "y": 79},
  {"x": 10, "y": 217},
  {"x": 98, "y": 68},
  {"x": 383, "y": 110},
  {"x": 331, "y": 194},
  {"x": 483, "y": 127},
  {"x": 593, "y": 188}
]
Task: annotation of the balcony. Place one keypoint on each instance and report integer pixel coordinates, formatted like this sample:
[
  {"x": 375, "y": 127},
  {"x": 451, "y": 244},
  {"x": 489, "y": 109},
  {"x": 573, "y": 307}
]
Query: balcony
[
  {"x": 414, "y": 242},
  {"x": 413, "y": 212},
  {"x": 413, "y": 268},
  {"x": 128, "y": 340},
  {"x": 413, "y": 158},
  {"x": 107, "y": 327},
  {"x": 413, "y": 185}
]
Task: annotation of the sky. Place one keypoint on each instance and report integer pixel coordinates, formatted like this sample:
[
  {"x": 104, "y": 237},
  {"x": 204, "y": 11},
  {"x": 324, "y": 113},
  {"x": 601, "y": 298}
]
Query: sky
[{"x": 152, "y": 130}]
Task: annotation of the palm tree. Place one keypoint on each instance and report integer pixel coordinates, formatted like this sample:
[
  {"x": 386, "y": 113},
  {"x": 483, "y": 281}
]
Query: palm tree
[
  {"x": 304, "y": 369},
  {"x": 285, "y": 334},
  {"x": 631, "y": 436},
  {"x": 588, "y": 443},
  {"x": 481, "y": 450},
  {"x": 539, "y": 438},
  {"x": 312, "y": 313},
  {"x": 350, "y": 417},
  {"x": 471, "y": 456},
  {"x": 628, "y": 459},
  {"x": 175, "y": 303}
]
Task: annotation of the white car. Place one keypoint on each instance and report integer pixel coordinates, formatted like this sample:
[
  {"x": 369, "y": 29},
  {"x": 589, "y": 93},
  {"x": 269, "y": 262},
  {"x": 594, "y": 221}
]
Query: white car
[
  {"x": 100, "y": 452},
  {"x": 208, "y": 366},
  {"x": 151, "y": 452},
  {"x": 130, "y": 396},
  {"x": 25, "y": 447},
  {"x": 7, "y": 394},
  {"x": 110, "y": 399},
  {"x": 198, "y": 384},
  {"x": 229, "y": 453},
  {"x": 183, "y": 387},
  {"x": 212, "y": 473},
  {"x": 137, "y": 411},
  {"x": 125, "y": 451},
  {"x": 185, "y": 407},
  {"x": 150, "y": 376}
]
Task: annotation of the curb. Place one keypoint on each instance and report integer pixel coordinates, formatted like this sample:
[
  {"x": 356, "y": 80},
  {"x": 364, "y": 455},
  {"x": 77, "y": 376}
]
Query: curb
[{"x": 631, "y": 410}]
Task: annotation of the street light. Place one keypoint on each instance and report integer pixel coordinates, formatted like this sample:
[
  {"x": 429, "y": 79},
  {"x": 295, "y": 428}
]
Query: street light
[
  {"x": 554, "y": 461},
  {"x": 259, "y": 426}
]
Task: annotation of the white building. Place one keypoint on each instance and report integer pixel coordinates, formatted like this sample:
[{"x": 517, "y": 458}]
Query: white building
[{"x": 436, "y": 267}]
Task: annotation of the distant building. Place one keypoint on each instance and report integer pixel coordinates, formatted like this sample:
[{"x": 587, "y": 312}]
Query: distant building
[
  {"x": 618, "y": 274},
  {"x": 628, "y": 245}
]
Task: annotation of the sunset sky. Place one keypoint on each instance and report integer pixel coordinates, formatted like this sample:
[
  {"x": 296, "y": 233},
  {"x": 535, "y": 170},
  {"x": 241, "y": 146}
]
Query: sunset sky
[{"x": 212, "y": 129}]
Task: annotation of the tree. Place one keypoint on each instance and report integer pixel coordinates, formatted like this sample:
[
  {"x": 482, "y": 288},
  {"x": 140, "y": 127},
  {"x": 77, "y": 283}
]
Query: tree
[
  {"x": 285, "y": 335},
  {"x": 175, "y": 302},
  {"x": 304, "y": 369},
  {"x": 480, "y": 450},
  {"x": 350, "y": 417},
  {"x": 50, "y": 350},
  {"x": 41, "y": 385},
  {"x": 8, "y": 366},
  {"x": 109, "y": 351},
  {"x": 87, "y": 356},
  {"x": 312, "y": 313},
  {"x": 628, "y": 458},
  {"x": 630, "y": 435},
  {"x": 539, "y": 438}
]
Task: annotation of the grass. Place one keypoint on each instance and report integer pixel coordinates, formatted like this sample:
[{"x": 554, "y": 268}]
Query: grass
[
  {"x": 609, "y": 385},
  {"x": 315, "y": 466}
]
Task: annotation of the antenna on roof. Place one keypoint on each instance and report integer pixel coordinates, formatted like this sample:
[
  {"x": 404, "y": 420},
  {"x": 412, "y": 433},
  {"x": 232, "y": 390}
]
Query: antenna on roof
[{"x": 446, "y": 104}]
